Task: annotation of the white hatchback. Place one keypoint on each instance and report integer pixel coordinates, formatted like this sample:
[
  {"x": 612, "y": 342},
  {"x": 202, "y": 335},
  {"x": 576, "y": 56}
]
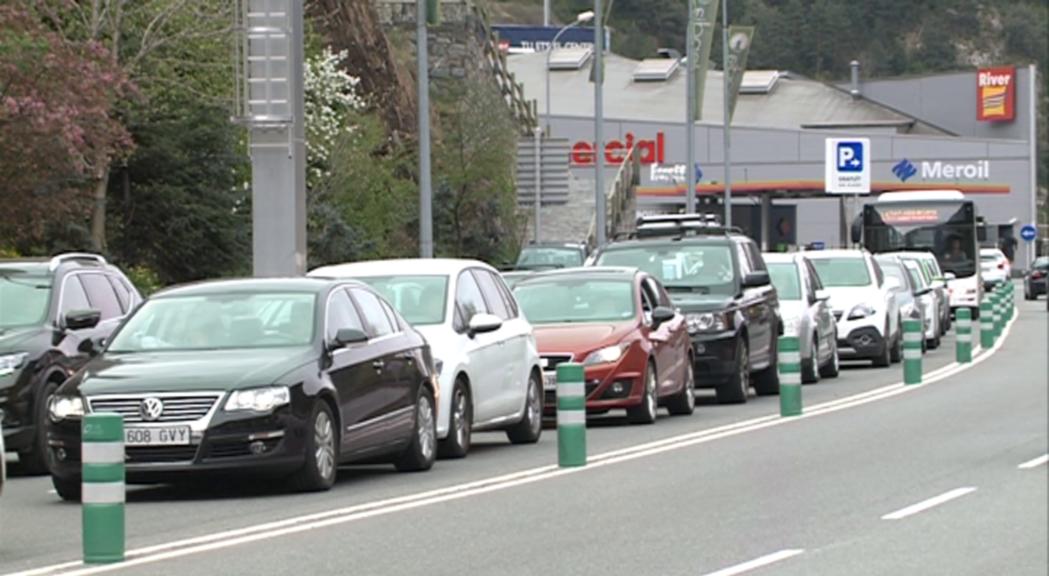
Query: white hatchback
[{"x": 482, "y": 345}]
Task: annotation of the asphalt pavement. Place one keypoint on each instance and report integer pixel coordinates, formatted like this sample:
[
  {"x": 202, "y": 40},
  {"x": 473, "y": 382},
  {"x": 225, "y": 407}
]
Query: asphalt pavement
[{"x": 876, "y": 478}]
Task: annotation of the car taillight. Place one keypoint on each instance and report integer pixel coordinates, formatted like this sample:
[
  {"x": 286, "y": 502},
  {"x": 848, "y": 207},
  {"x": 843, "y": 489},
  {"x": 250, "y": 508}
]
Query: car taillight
[
  {"x": 1037, "y": 274},
  {"x": 1001, "y": 265}
]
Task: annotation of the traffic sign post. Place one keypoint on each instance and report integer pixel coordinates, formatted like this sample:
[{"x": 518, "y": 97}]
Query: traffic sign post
[
  {"x": 963, "y": 350},
  {"x": 103, "y": 488},
  {"x": 1029, "y": 232},
  {"x": 789, "y": 366},
  {"x": 571, "y": 416},
  {"x": 912, "y": 351}
]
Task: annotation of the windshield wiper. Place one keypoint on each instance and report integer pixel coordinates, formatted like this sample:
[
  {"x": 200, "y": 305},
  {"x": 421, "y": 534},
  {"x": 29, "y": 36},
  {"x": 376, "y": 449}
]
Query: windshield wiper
[{"x": 687, "y": 288}]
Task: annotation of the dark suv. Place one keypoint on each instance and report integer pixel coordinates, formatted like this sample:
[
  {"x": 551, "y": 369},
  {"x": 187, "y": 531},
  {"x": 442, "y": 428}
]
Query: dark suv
[
  {"x": 718, "y": 280},
  {"x": 53, "y": 315}
]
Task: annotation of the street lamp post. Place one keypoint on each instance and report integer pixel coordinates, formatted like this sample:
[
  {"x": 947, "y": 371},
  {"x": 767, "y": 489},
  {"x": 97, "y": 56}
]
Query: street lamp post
[
  {"x": 727, "y": 113},
  {"x": 581, "y": 18},
  {"x": 599, "y": 125}
]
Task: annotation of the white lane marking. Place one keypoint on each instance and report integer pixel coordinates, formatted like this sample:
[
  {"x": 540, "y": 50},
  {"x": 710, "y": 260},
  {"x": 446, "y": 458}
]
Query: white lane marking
[
  {"x": 1034, "y": 463},
  {"x": 931, "y": 502},
  {"x": 273, "y": 529},
  {"x": 757, "y": 563}
]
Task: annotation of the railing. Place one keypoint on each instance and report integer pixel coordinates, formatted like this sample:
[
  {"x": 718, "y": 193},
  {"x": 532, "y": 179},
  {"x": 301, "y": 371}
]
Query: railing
[
  {"x": 618, "y": 199},
  {"x": 524, "y": 111}
]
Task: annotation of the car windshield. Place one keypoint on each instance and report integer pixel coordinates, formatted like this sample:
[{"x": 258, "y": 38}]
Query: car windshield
[
  {"x": 563, "y": 300},
  {"x": 703, "y": 268},
  {"x": 1041, "y": 263},
  {"x": 550, "y": 257},
  {"x": 419, "y": 299},
  {"x": 24, "y": 299},
  {"x": 785, "y": 279},
  {"x": 219, "y": 322},
  {"x": 842, "y": 272},
  {"x": 916, "y": 277}
]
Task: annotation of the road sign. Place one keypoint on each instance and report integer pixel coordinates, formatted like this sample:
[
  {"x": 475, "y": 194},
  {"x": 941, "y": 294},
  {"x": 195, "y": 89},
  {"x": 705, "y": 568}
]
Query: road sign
[
  {"x": 1028, "y": 232},
  {"x": 847, "y": 166}
]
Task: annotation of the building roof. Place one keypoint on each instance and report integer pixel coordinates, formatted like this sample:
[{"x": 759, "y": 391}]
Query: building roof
[{"x": 794, "y": 102}]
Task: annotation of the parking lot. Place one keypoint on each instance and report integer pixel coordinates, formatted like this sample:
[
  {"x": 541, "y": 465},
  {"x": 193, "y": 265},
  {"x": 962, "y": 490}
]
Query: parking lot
[{"x": 686, "y": 496}]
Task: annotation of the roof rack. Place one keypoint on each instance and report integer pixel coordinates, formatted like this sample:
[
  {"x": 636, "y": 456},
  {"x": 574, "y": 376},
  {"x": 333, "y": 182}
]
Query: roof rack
[{"x": 75, "y": 256}]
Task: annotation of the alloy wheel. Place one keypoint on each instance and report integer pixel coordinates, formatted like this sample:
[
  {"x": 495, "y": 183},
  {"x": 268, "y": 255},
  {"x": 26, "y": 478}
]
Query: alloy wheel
[
  {"x": 534, "y": 405},
  {"x": 690, "y": 385},
  {"x": 650, "y": 393},
  {"x": 324, "y": 445},
  {"x": 425, "y": 432},
  {"x": 460, "y": 422}
]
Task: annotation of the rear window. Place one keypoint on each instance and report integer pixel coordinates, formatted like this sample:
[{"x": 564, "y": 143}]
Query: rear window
[{"x": 842, "y": 272}]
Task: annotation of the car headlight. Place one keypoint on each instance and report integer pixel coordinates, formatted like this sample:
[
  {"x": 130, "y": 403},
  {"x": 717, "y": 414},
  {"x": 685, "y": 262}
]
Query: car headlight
[
  {"x": 65, "y": 408},
  {"x": 11, "y": 362},
  {"x": 791, "y": 325},
  {"x": 604, "y": 355},
  {"x": 706, "y": 322},
  {"x": 258, "y": 399},
  {"x": 860, "y": 311}
]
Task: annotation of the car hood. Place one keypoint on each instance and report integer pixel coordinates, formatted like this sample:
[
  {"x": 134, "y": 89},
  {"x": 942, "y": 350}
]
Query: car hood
[
  {"x": 579, "y": 338},
  {"x": 12, "y": 339},
  {"x": 844, "y": 298},
  {"x": 690, "y": 302},
  {"x": 223, "y": 370}
]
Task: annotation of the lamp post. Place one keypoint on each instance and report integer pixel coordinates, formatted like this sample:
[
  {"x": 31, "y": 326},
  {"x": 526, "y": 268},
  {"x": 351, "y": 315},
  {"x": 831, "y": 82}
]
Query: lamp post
[
  {"x": 581, "y": 18},
  {"x": 599, "y": 126},
  {"x": 727, "y": 113}
]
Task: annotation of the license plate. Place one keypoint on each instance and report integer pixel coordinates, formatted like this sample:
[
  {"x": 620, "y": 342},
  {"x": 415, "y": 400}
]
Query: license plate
[
  {"x": 166, "y": 436},
  {"x": 550, "y": 381}
]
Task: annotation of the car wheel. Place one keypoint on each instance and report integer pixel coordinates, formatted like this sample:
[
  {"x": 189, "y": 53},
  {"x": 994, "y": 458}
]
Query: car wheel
[
  {"x": 1027, "y": 293},
  {"x": 528, "y": 430},
  {"x": 645, "y": 413},
  {"x": 884, "y": 357},
  {"x": 319, "y": 470},
  {"x": 809, "y": 373},
  {"x": 766, "y": 382},
  {"x": 68, "y": 489},
  {"x": 896, "y": 353},
  {"x": 422, "y": 449},
  {"x": 457, "y": 444},
  {"x": 736, "y": 389},
  {"x": 934, "y": 343},
  {"x": 684, "y": 403},
  {"x": 37, "y": 460},
  {"x": 832, "y": 367}
]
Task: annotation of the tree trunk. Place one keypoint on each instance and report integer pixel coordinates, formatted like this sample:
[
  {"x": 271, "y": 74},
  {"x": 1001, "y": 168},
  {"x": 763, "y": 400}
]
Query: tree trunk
[
  {"x": 353, "y": 26},
  {"x": 98, "y": 214}
]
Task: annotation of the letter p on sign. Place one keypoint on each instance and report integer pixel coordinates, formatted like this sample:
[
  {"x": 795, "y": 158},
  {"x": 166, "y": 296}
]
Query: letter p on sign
[{"x": 850, "y": 157}]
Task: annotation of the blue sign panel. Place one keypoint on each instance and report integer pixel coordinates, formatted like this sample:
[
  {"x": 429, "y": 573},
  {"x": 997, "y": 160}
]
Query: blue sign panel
[
  {"x": 1028, "y": 232},
  {"x": 850, "y": 157},
  {"x": 538, "y": 38}
]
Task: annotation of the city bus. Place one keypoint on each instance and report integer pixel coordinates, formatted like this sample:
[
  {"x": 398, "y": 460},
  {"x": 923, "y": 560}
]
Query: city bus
[{"x": 942, "y": 222}]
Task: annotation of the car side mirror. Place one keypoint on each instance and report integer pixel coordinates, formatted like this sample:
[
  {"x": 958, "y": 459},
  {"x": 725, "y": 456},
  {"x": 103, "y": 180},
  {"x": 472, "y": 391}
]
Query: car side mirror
[
  {"x": 81, "y": 319},
  {"x": 950, "y": 276},
  {"x": 822, "y": 295},
  {"x": 662, "y": 315},
  {"x": 349, "y": 336},
  {"x": 481, "y": 323},
  {"x": 756, "y": 279}
]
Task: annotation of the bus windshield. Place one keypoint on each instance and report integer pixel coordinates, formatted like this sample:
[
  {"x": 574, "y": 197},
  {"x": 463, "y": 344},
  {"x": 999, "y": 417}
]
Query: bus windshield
[{"x": 947, "y": 230}]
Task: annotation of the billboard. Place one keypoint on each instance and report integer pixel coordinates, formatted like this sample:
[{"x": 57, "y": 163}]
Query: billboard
[
  {"x": 996, "y": 94},
  {"x": 703, "y": 19},
  {"x": 514, "y": 38}
]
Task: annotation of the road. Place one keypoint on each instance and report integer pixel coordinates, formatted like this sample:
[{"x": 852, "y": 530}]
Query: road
[{"x": 904, "y": 480}]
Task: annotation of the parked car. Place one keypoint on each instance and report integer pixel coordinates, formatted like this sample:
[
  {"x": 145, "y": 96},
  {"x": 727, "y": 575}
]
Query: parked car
[
  {"x": 926, "y": 298},
  {"x": 53, "y": 314},
  {"x": 805, "y": 314},
  {"x": 281, "y": 377},
  {"x": 485, "y": 351},
  {"x": 717, "y": 278},
  {"x": 863, "y": 303},
  {"x": 1037, "y": 278},
  {"x": 935, "y": 279},
  {"x": 994, "y": 267},
  {"x": 619, "y": 323},
  {"x": 547, "y": 255},
  {"x": 912, "y": 297}
]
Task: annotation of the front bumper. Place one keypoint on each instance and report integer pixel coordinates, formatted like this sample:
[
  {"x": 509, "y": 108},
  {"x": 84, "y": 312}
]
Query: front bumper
[
  {"x": 860, "y": 339},
  {"x": 608, "y": 387},
  {"x": 16, "y": 411},
  {"x": 715, "y": 357},
  {"x": 248, "y": 444}
]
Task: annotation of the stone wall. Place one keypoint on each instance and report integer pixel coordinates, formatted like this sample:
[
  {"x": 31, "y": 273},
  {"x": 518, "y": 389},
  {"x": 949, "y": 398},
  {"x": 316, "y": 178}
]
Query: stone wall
[{"x": 456, "y": 45}]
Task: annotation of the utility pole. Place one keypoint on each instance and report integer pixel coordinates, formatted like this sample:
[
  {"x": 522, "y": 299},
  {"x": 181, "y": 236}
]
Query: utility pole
[
  {"x": 726, "y": 112},
  {"x": 599, "y": 124},
  {"x": 425, "y": 191},
  {"x": 546, "y": 13},
  {"x": 690, "y": 113}
]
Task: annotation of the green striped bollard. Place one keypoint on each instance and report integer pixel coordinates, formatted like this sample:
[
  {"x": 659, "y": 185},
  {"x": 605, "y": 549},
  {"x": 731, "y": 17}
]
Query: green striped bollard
[
  {"x": 1010, "y": 308},
  {"x": 571, "y": 415},
  {"x": 102, "y": 493},
  {"x": 963, "y": 334},
  {"x": 912, "y": 351},
  {"x": 986, "y": 322},
  {"x": 789, "y": 366},
  {"x": 996, "y": 312}
]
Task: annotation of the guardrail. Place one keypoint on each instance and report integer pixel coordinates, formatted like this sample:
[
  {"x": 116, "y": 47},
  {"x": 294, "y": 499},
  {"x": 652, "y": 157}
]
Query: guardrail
[
  {"x": 618, "y": 199},
  {"x": 524, "y": 111}
]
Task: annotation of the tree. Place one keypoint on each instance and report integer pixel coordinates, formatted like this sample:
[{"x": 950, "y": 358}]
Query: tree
[{"x": 54, "y": 132}]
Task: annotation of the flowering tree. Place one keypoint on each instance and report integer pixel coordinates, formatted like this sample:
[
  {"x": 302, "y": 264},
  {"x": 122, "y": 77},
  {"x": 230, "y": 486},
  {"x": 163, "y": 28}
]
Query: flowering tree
[
  {"x": 55, "y": 134},
  {"x": 331, "y": 95}
]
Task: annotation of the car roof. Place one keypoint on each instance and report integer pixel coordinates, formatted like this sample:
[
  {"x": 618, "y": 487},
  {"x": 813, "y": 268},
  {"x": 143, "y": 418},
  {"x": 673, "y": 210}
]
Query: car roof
[
  {"x": 782, "y": 257},
  {"x": 664, "y": 241},
  {"x": 613, "y": 272},
  {"x": 249, "y": 285},
  {"x": 572, "y": 245},
  {"x": 399, "y": 267},
  {"x": 838, "y": 253},
  {"x": 989, "y": 251}
]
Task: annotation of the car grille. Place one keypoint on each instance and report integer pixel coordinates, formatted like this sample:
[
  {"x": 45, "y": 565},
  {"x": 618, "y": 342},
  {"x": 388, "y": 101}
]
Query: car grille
[
  {"x": 187, "y": 408},
  {"x": 552, "y": 360},
  {"x": 159, "y": 454}
]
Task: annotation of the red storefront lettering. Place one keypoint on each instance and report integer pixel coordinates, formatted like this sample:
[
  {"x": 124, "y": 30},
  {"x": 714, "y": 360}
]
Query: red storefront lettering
[{"x": 650, "y": 151}]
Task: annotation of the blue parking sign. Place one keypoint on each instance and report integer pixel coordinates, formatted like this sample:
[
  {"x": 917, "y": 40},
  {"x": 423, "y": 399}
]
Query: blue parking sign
[{"x": 850, "y": 156}]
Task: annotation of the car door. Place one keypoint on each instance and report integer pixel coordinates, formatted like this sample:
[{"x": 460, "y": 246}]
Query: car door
[
  {"x": 511, "y": 345},
  {"x": 393, "y": 409},
  {"x": 485, "y": 371},
  {"x": 675, "y": 352},
  {"x": 761, "y": 303},
  {"x": 892, "y": 305},
  {"x": 824, "y": 316},
  {"x": 351, "y": 373},
  {"x": 74, "y": 344}
]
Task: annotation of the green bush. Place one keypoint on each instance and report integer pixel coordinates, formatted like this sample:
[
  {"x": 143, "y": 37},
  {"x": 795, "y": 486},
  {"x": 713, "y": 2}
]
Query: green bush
[{"x": 145, "y": 279}]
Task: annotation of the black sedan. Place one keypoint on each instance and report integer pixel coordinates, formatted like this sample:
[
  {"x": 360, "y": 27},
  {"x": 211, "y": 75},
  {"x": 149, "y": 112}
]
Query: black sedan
[
  {"x": 1037, "y": 278},
  {"x": 283, "y": 378}
]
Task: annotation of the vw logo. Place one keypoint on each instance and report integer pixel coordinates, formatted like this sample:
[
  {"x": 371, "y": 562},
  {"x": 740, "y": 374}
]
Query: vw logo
[{"x": 151, "y": 409}]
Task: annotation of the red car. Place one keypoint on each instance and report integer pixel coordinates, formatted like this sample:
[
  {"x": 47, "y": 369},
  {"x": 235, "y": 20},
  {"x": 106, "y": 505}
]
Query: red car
[{"x": 618, "y": 323}]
